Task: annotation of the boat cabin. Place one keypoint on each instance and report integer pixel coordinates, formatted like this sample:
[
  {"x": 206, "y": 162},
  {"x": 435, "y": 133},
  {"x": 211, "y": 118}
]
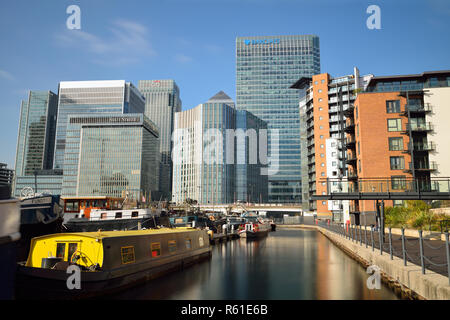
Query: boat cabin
[{"x": 81, "y": 207}]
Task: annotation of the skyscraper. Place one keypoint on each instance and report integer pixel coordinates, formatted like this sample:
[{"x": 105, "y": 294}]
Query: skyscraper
[
  {"x": 266, "y": 67},
  {"x": 81, "y": 97},
  {"x": 162, "y": 100},
  {"x": 211, "y": 154},
  {"x": 36, "y": 137},
  {"x": 36, "y": 144}
]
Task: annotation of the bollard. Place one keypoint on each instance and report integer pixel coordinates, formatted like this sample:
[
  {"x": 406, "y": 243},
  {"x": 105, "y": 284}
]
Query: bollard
[
  {"x": 448, "y": 256},
  {"x": 360, "y": 239},
  {"x": 371, "y": 235},
  {"x": 421, "y": 252},
  {"x": 403, "y": 247},
  {"x": 381, "y": 244},
  {"x": 365, "y": 235},
  {"x": 390, "y": 243}
]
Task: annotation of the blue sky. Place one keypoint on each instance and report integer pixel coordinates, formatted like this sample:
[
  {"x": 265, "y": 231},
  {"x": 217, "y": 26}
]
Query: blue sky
[{"x": 193, "y": 42}]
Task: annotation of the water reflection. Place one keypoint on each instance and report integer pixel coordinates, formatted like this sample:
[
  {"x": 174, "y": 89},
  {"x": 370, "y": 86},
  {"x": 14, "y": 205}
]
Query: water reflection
[{"x": 288, "y": 264}]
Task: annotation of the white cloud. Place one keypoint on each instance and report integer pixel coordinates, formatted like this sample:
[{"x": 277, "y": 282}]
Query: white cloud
[
  {"x": 182, "y": 58},
  {"x": 6, "y": 75},
  {"x": 127, "y": 44}
]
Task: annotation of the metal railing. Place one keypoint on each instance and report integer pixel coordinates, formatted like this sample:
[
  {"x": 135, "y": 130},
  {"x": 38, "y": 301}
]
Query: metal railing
[
  {"x": 388, "y": 185},
  {"x": 426, "y": 253}
]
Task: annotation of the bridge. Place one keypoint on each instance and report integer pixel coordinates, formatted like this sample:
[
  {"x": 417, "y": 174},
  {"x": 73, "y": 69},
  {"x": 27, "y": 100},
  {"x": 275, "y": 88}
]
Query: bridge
[
  {"x": 385, "y": 189},
  {"x": 262, "y": 209}
]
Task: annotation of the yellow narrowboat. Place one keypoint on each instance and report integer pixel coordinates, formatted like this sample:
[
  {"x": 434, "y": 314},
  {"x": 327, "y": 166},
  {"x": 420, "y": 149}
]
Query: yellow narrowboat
[{"x": 106, "y": 261}]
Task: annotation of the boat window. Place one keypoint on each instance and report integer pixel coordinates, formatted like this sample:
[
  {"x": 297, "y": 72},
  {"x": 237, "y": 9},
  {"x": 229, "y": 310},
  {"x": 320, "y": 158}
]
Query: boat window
[
  {"x": 172, "y": 246},
  {"x": 201, "y": 241},
  {"x": 188, "y": 243},
  {"x": 60, "y": 250},
  {"x": 127, "y": 254},
  {"x": 104, "y": 215},
  {"x": 134, "y": 214},
  {"x": 156, "y": 249},
  {"x": 118, "y": 215},
  {"x": 72, "y": 250}
]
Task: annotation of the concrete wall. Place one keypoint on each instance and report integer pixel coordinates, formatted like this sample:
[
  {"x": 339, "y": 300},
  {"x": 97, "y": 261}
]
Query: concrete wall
[{"x": 439, "y": 98}]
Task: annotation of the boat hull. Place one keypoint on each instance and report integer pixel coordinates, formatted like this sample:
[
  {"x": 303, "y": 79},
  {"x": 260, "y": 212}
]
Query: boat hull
[{"x": 256, "y": 234}]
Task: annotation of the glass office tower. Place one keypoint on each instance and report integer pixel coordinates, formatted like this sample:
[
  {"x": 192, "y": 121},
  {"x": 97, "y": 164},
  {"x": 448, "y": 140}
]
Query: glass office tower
[
  {"x": 216, "y": 154},
  {"x": 162, "y": 100},
  {"x": 265, "y": 69},
  {"x": 81, "y": 97},
  {"x": 111, "y": 154},
  {"x": 36, "y": 138}
]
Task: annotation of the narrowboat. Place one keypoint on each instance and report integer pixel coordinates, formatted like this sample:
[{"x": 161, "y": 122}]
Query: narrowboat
[
  {"x": 108, "y": 261},
  {"x": 9, "y": 236},
  {"x": 40, "y": 214},
  {"x": 115, "y": 220}
]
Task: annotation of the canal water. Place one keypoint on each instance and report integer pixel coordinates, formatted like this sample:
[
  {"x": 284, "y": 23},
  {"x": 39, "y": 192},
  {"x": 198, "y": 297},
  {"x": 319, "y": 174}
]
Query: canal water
[{"x": 288, "y": 264}]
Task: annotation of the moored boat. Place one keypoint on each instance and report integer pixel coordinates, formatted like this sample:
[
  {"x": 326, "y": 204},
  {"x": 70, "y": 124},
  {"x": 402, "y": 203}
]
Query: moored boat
[
  {"x": 108, "y": 261},
  {"x": 254, "y": 227}
]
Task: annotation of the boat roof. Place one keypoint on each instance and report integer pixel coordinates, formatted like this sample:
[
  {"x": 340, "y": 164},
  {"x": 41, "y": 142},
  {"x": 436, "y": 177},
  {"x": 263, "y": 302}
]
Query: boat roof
[{"x": 114, "y": 234}]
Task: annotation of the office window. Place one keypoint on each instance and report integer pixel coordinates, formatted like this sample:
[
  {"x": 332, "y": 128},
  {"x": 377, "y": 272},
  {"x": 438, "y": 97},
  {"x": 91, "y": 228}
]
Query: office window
[
  {"x": 397, "y": 163},
  {"x": 393, "y": 106},
  {"x": 396, "y": 144},
  {"x": 394, "y": 124}
]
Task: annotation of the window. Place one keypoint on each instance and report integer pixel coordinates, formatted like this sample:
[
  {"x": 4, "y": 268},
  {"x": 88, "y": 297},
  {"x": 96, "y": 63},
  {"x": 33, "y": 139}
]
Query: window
[
  {"x": 398, "y": 182},
  {"x": 333, "y": 144},
  {"x": 356, "y": 111},
  {"x": 323, "y": 174},
  {"x": 393, "y": 106},
  {"x": 396, "y": 143},
  {"x": 118, "y": 215},
  {"x": 359, "y": 148},
  {"x": 127, "y": 254},
  {"x": 201, "y": 242},
  {"x": 321, "y": 146},
  {"x": 104, "y": 215},
  {"x": 322, "y": 81},
  {"x": 397, "y": 163},
  {"x": 188, "y": 243},
  {"x": 60, "y": 250},
  {"x": 72, "y": 250},
  {"x": 394, "y": 124},
  {"x": 359, "y": 166},
  {"x": 156, "y": 249},
  {"x": 320, "y": 90},
  {"x": 134, "y": 214},
  {"x": 172, "y": 246},
  {"x": 320, "y": 99}
]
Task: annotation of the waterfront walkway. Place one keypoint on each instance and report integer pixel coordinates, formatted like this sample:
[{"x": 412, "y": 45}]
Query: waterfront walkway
[{"x": 435, "y": 252}]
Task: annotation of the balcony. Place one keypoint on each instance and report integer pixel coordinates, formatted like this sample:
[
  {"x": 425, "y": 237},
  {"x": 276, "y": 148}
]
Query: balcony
[
  {"x": 421, "y": 147},
  {"x": 422, "y": 166},
  {"x": 417, "y": 108},
  {"x": 419, "y": 127},
  {"x": 349, "y": 125},
  {"x": 349, "y": 111},
  {"x": 352, "y": 175},
  {"x": 351, "y": 158},
  {"x": 350, "y": 142}
]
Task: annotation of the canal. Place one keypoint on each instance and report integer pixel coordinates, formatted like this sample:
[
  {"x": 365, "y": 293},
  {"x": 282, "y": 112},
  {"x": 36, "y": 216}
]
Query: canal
[{"x": 288, "y": 264}]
